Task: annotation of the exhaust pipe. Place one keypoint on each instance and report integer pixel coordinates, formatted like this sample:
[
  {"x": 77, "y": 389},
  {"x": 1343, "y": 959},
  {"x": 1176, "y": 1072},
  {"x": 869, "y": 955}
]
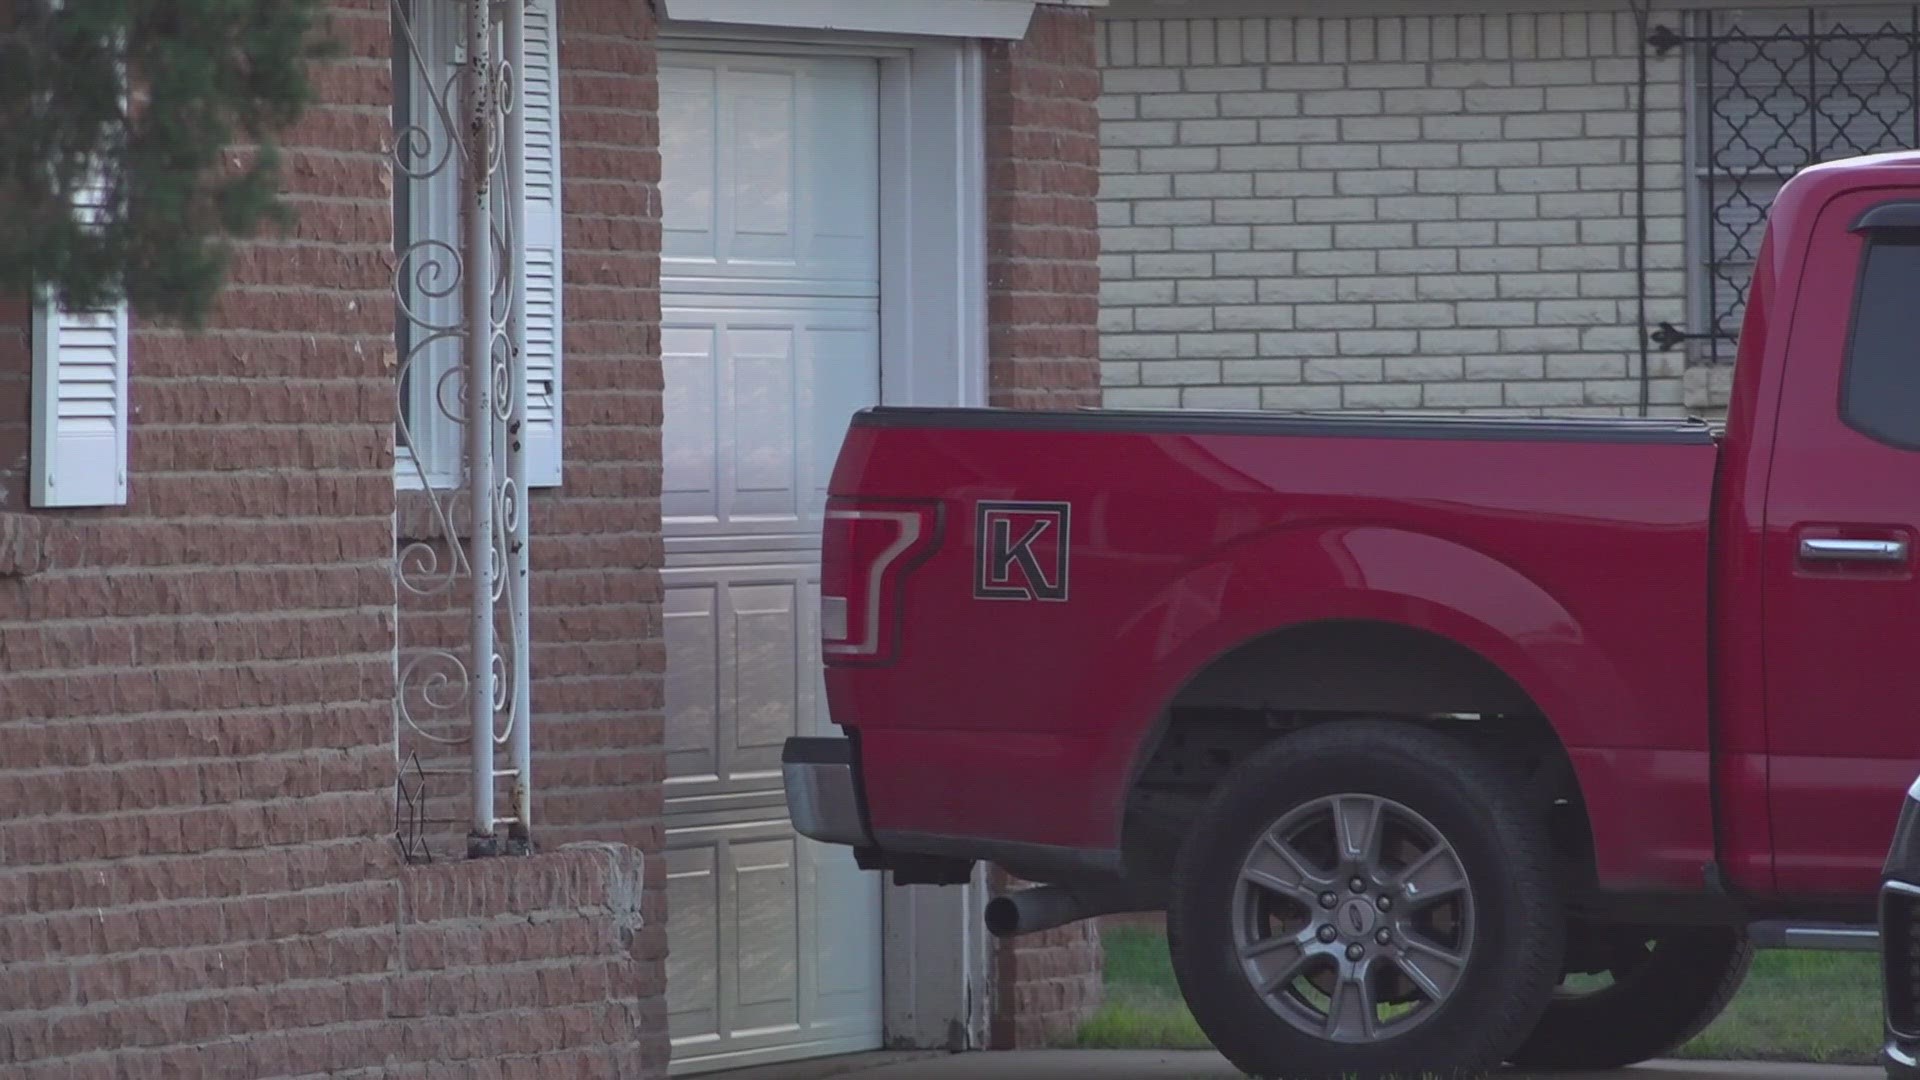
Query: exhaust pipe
[{"x": 1047, "y": 906}]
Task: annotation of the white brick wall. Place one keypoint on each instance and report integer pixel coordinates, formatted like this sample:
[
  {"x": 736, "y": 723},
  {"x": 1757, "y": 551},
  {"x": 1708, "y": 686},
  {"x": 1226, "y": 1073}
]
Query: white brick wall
[{"x": 1385, "y": 213}]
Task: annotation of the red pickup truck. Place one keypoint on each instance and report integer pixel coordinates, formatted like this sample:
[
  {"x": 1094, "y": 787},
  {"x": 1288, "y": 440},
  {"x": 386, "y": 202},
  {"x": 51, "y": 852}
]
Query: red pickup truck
[{"x": 1444, "y": 742}]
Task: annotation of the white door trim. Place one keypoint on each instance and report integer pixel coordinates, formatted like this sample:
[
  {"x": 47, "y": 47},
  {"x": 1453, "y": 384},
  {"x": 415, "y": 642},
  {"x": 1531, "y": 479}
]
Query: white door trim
[
  {"x": 933, "y": 342},
  {"x": 933, "y": 233}
]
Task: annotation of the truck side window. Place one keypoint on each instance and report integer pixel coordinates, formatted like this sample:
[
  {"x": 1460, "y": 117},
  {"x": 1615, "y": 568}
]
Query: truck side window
[{"x": 1880, "y": 391}]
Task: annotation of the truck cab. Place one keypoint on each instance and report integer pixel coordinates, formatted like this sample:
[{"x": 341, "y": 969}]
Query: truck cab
[{"x": 1814, "y": 585}]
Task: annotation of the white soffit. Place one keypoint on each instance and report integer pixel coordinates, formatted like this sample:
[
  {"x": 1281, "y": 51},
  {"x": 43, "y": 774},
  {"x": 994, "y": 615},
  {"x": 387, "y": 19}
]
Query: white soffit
[{"x": 938, "y": 18}]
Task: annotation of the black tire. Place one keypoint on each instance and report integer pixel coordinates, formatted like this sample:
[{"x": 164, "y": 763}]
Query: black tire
[
  {"x": 1501, "y": 842},
  {"x": 1667, "y": 985}
]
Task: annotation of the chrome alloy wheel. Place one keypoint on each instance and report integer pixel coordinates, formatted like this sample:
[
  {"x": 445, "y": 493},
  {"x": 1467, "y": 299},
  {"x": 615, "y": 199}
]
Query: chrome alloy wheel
[{"x": 1353, "y": 918}]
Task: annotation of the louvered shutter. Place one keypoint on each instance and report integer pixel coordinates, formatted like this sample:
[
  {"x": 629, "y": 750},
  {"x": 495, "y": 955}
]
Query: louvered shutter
[
  {"x": 77, "y": 443},
  {"x": 79, "y": 433},
  {"x": 543, "y": 243}
]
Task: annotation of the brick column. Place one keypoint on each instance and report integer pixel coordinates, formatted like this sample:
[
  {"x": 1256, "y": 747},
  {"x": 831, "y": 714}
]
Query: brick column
[
  {"x": 600, "y": 658},
  {"x": 1043, "y": 244},
  {"x": 1043, "y": 284}
]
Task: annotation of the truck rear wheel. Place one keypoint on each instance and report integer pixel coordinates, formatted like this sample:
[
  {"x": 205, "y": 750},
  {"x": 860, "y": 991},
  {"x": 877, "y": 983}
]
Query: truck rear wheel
[
  {"x": 1632, "y": 994},
  {"x": 1366, "y": 899}
]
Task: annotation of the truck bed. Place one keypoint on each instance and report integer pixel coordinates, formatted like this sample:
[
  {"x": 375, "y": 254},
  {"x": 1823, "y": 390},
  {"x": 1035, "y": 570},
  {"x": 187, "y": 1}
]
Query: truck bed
[{"x": 1572, "y": 553}]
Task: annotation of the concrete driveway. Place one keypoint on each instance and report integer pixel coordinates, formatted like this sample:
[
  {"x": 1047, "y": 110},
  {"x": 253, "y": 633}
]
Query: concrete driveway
[{"x": 1182, "y": 1065}]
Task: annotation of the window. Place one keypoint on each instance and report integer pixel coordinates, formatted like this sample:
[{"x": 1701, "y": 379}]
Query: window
[
  {"x": 1771, "y": 93},
  {"x": 428, "y": 51},
  {"x": 1880, "y": 390},
  {"x": 426, "y": 198}
]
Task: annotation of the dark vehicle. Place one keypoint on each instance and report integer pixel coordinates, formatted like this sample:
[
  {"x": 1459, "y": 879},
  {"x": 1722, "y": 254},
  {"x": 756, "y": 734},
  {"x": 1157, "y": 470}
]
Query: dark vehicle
[{"x": 1899, "y": 945}]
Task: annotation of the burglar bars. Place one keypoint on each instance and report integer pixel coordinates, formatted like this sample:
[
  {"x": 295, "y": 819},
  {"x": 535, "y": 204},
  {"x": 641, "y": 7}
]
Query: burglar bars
[
  {"x": 459, "y": 282},
  {"x": 1770, "y": 94}
]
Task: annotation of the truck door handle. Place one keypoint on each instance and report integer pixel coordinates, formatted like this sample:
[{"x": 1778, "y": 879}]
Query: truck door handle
[{"x": 1833, "y": 549}]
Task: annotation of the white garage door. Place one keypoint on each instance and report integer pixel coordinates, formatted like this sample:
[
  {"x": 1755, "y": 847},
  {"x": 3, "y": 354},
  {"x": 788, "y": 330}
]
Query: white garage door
[{"x": 771, "y": 298}]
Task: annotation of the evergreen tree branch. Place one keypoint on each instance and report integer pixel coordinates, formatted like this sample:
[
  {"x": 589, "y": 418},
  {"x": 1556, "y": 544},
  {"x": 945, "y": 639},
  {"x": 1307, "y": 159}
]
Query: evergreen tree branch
[{"x": 159, "y": 120}]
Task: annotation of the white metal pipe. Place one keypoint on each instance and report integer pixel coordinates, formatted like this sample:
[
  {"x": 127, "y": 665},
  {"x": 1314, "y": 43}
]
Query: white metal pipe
[
  {"x": 520, "y": 739},
  {"x": 478, "y": 84}
]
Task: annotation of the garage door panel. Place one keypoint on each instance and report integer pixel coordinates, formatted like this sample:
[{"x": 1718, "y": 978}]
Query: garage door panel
[
  {"x": 767, "y": 684},
  {"x": 694, "y": 959},
  {"x": 845, "y": 981},
  {"x": 756, "y": 219},
  {"x": 743, "y": 673},
  {"x": 690, "y": 159},
  {"x": 760, "y": 965},
  {"x": 692, "y": 434},
  {"x": 757, "y": 950},
  {"x": 694, "y": 667},
  {"x": 767, "y": 917},
  {"x": 775, "y": 171},
  {"x": 840, "y": 179},
  {"x": 843, "y": 376},
  {"x": 768, "y": 428},
  {"x": 758, "y": 400}
]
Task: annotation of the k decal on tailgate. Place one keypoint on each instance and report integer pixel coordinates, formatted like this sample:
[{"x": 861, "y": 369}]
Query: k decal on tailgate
[{"x": 1020, "y": 550}]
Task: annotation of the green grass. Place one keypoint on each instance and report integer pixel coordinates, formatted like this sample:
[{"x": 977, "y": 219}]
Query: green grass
[
  {"x": 1796, "y": 1006},
  {"x": 1800, "y": 1006},
  {"x": 1142, "y": 1009}
]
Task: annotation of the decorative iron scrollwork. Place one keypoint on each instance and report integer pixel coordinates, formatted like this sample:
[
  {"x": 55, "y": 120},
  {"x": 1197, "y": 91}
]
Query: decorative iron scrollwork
[
  {"x": 1775, "y": 92},
  {"x": 457, "y": 154}
]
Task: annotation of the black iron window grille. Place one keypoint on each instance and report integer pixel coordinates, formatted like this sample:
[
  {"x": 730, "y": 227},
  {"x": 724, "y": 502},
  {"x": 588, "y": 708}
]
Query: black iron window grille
[{"x": 1770, "y": 93}]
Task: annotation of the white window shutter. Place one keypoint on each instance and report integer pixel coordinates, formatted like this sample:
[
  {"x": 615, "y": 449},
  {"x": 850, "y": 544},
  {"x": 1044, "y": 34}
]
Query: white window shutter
[
  {"x": 543, "y": 243},
  {"x": 79, "y": 434}
]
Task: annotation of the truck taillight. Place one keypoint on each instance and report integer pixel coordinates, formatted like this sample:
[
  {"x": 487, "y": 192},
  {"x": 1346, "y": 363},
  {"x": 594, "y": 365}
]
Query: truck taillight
[{"x": 868, "y": 548}]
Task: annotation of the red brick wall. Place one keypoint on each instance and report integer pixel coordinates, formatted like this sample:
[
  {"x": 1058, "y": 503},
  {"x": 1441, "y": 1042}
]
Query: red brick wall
[
  {"x": 197, "y": 683},
  {"x": 1043, "y": 283},
  {"x": 197, "y": 868},
  {"x": 445, "y": 970},
  {"x": 194, "y": 790},
  {"x": 16, "y": 370},
  {"x": 600, "y": 658},
  {"x": 1043, "y": 244},
  {"x": 550, "y": 938},
  {"x": 596, "y": 551}
]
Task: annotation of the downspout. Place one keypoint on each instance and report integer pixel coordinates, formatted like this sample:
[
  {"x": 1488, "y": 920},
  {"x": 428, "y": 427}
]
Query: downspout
[{"x": 1642, "y": 30}]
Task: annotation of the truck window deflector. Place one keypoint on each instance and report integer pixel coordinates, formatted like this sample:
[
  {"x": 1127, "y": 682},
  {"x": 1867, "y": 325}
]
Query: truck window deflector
[{"x": 1889, "y": 215}]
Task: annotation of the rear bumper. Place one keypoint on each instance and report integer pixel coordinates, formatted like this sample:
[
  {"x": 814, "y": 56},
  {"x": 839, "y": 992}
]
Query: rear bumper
[
  {"x": 1900, "y": 944},
  {"x": 823, "y": 791},
  {"x": 826, "y": 802}
]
